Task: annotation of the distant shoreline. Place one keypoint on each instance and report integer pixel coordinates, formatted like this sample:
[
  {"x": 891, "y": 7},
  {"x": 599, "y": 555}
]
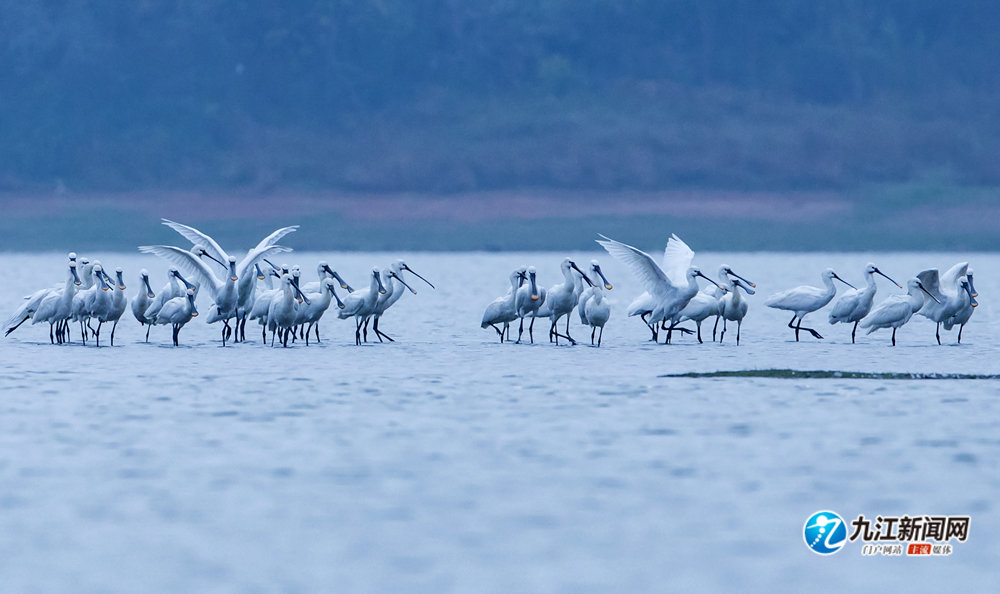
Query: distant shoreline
[{"x": 883, "y": 219}]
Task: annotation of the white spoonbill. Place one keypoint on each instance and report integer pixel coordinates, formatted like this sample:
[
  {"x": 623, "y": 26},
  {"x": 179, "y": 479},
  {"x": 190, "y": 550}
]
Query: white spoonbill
[
  {"x": 176, "y": 286},
  {"x": 282, "y": 314},
  {"x": 501, "y": 310},
  {"x": 725, "y": 271},
  {"x": 361, "y": 304},
  {"x": 854, "y": 305},
  {"x": 527, "y": 301},
  {"x": 949, "y": 297},
  {"x": 805, "y": 299},
  {"x": 669, "y": 295},
  {"x": 701, "y": 307},
  {"x": 118, "y": 303},
  {"x": 57, "y": 307},
  {"x": 597, "y": 311},
  {"x": 204, "y": 245},
  {"x": 559, "y": 300},
  {"x": 83, "y": 300},
  {"x": 223, "y": 292},
  {"x": 311, "y": 312},
  {"x": 897, "y": 310},
  {"x": 100, "y": 305},
  {"x": 177, "y": 312},
  {"x": 732, "y": 306},
  {"x": 323, "y": 271},
  {"x": 30, "y": 305},
  {"x": 142, "y": 300},
  {"x": 677, "y": 258},
  {"x": 394, "y": 286},
  {"x": 394, "y": 293},
  {"x": 962, "y": 316},
  {"x": 708, "y": 301},
  {"x": 584, "y": 294},
  {"x": 262, "y": 301}
]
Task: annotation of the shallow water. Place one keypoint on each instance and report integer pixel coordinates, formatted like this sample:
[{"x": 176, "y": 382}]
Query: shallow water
[{"x": 448, "y": 462}]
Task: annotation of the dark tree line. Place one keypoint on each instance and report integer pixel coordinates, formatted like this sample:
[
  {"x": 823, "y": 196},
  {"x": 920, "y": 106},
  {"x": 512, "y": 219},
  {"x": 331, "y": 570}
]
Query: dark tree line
[{"x": 470, "y": 94}]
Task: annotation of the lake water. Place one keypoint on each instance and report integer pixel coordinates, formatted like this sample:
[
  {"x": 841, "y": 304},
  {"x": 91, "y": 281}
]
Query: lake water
[{"x": 448, "y": 462}]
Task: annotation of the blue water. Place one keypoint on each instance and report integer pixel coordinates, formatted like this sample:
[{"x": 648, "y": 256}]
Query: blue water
[{"x": 448, "y": 462}]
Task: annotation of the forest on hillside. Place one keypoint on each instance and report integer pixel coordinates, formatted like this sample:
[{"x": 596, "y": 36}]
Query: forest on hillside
[{"x": 469, "y": 95}]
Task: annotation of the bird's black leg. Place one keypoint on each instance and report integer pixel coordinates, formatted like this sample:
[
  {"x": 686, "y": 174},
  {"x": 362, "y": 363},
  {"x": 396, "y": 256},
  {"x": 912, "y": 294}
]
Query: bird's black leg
[
  {"x": 960, "y": 328},
  {"x": 652, "y": 327},
  {"x": 553, "y": 332},
  {"x": 381, "y": 334},
  {"x": 52, "y": 338},
  {"x": 722, "y": 336},
  {"x": 592, "y": 331},
  {"x": 113, "y": 328},
  {"x": 699, "y": 334},
  {"x": 893, "y": 337},
  {"x": 531, "y": 330},
  {"x": 715, "y": 327},
  {"x": 378, "y": 335},
  {"x": 357, "y": 334},
  {"x": 939, "y": 332},
  {"x": 854, "y": 331},
  {"x": 308, "y": 331},
  {"x": 739, "y": 324},
  {"x": 600, "y": 336},
  {"x": 557, "y": 335},
  {"x": 520, "y": 331},
  {"x": 809, "y": 330}
]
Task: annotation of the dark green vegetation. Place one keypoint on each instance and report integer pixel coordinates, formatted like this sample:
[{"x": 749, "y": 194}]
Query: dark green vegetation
[
  {"x": 799, "y": 374},
  {"x": 879, "y": 104}
]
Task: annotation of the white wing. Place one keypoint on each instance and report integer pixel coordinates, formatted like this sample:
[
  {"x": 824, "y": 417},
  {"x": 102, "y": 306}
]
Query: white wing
[
  {"x": 196, "y": 237},
  {"x": 677, "y": 259},
  {"x": 267, "y": 242},
  {"x": 187, "y": 262},
  {"x": 639, "y": 263},
  {"x": 253, "y": 256},
  {"x": 891, "y": 310},
  {"x": 953, "y": 274},
  {"x": 932, "y": 282},
  {"x": 642, "y": 304}
]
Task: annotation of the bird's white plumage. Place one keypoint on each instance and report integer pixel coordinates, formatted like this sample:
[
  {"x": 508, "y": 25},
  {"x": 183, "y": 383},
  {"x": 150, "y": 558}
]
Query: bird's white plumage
[
  {"x": 677, "y": 258},
  {"x": 640, "y": 264}
]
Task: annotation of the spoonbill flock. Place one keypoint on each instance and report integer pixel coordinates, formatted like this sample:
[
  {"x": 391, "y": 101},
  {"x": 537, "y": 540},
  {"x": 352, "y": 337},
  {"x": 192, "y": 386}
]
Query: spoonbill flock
[
  {"x": 672, "y": 296},
  {"x": 89, "y": 296},
  {"x": 253, "y": 288}
]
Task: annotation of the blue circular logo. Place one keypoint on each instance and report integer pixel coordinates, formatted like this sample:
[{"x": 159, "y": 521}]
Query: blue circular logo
[{"x": 825, "y": 532}]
